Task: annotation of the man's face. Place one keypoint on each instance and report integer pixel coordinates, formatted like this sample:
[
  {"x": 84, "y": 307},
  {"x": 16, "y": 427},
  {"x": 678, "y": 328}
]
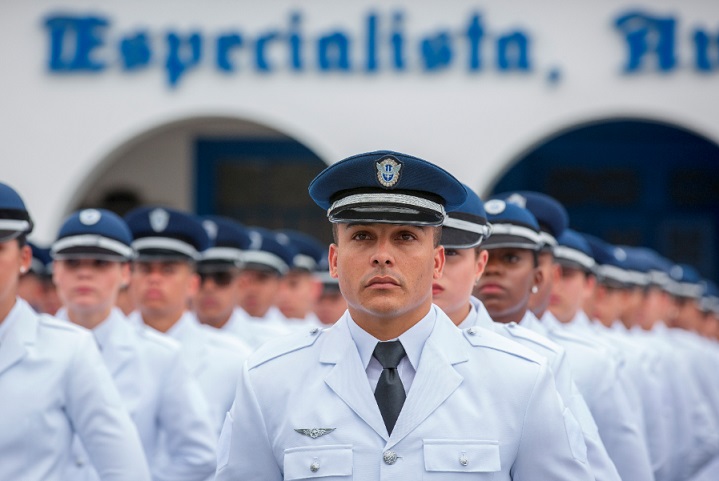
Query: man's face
[
  {"x": 217, "y": 296},
  {"x": 462, "y": 269},
  {"x": 386, "y": 271},
  {"x": 298, "y": 294},
  {"x": 506, "y": 285},
  {"x": 89, "y": 285},
  {"x": 607, "y": 304},
  {"x": 163, "y": 287},
  {"x": 569, "y": 292},
  {"x": 258, "y": 291},
  {"x": 539, "y": 301}
]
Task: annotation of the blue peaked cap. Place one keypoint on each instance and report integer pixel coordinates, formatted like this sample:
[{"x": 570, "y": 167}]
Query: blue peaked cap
[
  {"x": 93, "y": 234},
  {"x": 386, "y": 187},
  {"x": 687, "y": 282},
  {"x": 14, "y": 217},
  {"x": 309, "y": 251},
  {"x": 466, "y": 226},
  {"x": 549, "y": 212},
  {"x": 512, "y": 226},
  {"x": 266, "y": 252},
  {"x": 573, "y": 250},
  {"x": 162, "y": 233},
  {"x": 228, "y": 240},
  {"x": 40, "y": 259}
]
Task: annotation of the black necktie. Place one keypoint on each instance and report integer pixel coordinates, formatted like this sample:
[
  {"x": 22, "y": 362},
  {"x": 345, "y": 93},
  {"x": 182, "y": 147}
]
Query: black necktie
[{"x": 389, "y": 393}]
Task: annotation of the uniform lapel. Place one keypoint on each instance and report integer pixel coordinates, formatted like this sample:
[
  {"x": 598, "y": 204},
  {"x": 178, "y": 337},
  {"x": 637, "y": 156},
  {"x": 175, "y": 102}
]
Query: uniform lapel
[
  {"x": 119, "y": 349},
  {"x": 346, "y": 377},
  {"x": 194, "y": 347},
  {"x": 436, "y": 377},
  {"x": 18, "y": 340}
]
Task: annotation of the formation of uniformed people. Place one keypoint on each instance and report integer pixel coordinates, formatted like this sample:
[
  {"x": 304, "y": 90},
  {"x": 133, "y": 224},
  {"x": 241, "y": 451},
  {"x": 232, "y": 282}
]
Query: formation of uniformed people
[{"x": 437, "y": 337}]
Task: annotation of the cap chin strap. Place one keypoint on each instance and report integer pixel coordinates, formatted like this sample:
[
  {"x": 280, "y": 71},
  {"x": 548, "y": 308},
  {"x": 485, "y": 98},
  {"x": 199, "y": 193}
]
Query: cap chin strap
[
  {"x": 92, "y": 240},
  {"x": 573, "y": 255}
]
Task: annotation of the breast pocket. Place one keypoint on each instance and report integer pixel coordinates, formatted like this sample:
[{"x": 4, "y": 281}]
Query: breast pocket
[
  {"x": 469, "y": 459},
  {"x": 314, "y": 462}
]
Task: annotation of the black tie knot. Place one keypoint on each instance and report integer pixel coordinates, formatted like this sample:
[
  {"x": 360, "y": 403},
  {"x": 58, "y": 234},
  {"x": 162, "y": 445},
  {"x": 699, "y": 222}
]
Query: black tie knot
[{"x": 389, "y": 354}]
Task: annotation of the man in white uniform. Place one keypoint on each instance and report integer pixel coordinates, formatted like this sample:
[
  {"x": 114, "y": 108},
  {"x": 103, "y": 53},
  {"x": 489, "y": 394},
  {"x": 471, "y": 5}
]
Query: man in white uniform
[
  {"x": 394, "y": 390},
  {"x": 53, "y": 383},
  {"x": 168, "y": 243},
  {"x": 92, "y": 254}
]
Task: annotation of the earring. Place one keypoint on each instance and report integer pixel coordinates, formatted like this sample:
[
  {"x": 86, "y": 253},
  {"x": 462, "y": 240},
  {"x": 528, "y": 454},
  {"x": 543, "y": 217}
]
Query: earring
[
  {"x": 23, "y": 270},
  {"x": 535, "y": 289}
]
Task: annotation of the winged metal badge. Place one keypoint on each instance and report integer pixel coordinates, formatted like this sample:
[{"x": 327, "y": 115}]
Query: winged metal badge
[{"x": 315, "y": 433}]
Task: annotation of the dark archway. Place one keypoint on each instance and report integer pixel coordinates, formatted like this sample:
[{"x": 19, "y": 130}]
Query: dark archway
[{"x": 633, "y": 182}]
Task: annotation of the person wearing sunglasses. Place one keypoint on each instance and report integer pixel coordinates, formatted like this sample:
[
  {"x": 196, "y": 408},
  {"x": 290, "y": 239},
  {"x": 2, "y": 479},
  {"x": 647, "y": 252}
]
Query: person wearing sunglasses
[
  {"x": 53, "y": 384},
  {"x": 216, "y": 301},
  {"x": 91, "y": 262}
]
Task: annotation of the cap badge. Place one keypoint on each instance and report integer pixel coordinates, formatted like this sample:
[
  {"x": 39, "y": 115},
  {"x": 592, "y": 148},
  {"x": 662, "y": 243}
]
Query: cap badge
[
  {"x": 620, "y": 254},
  {"x": 90, "y": 216},
  {"x": 495, "y": 206},
  {"x": 159, "y": 218},
  {"x": 255, "y": 240},
  {"x": 388, "y": 171},
  {"x": 210, "y": 228},
  {"x": 518, "y": 199}
]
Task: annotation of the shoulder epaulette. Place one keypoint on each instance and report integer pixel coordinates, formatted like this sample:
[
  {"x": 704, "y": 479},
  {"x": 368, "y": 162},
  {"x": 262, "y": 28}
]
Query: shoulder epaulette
[
  {"x": 283, "y": 345},
  {"x": 481, "y": 337},
  {"x": 517, "y": 331}
]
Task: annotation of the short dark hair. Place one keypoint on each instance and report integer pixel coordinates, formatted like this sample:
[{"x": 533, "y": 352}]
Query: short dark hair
[{"x": 436, "y": 234}]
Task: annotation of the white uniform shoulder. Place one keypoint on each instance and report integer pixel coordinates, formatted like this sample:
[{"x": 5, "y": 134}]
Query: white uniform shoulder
[
  {"x": 481, "y": 337},
  {"x": 561, "y": 335},
  {"x": 223, "y": 342},
  {"x": 522, "y": 333},
  {"x": 48, "y": 321},
  {"x": 283, "y": 345},
  {"x": 156, "y": 340}
]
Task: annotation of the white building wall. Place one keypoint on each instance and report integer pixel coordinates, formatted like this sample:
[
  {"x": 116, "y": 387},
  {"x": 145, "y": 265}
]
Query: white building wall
[{"x": 60, "y": 132}]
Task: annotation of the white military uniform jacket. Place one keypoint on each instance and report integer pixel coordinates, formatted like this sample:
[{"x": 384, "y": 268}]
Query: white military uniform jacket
[
  {"x": 305, "y": 410},
  {"x": 642, "y": 368},
  {"x": 53, "y": 385},
  {"x": 602, "y": 466},
  {"x": 214, "y": 360},
  {"x": 252, "y": 332},
  {"x": 164, "y": 402},
  {"x": 597, "y": 376}
]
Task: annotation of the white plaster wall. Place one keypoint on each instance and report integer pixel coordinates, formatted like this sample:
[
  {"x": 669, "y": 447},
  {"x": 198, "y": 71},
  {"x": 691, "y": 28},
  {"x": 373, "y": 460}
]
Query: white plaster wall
[{"x": 56, "y": 130}]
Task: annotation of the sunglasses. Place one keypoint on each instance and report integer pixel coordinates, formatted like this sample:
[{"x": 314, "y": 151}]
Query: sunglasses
[{"x": 220, "y": 278}]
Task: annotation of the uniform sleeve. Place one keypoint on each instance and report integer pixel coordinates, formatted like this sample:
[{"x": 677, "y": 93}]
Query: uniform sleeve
[
  {"x": 601, "y": 465},
  {"x": 245, "y": 451},
  {"x": 188, "y": 453},
  {"x": 619, "y": 429},
  {"x": 552, "y": 445},
  {"x": 99, "y": 419}
]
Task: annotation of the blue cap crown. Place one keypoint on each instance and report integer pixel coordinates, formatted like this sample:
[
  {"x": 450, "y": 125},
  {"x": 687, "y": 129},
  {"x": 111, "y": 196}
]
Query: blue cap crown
[
  {"x": 573, "y": 250},
  {"x": 228, "y": 239},
  {"x": 164, "y": 233},
  {"x": 309, "y": 251},
  {"x": 512, "y": 226},
  {"x": 466, "y": 226},
  {"x": 266, "y": 252},
  {"x": 95, "y": 234},
  {"x": 14, "y": 217},
  {"x": 386, "y": 187},
  {"x": 549, "y": 212}
]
